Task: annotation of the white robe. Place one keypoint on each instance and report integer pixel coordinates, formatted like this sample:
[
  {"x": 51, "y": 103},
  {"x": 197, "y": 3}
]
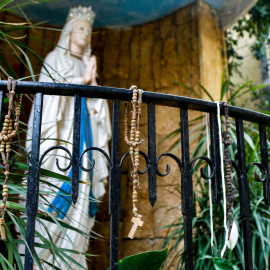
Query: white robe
[{"x": 57, "y": 123}]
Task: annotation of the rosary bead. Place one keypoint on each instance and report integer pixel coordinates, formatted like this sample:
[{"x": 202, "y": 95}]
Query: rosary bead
[
  {"x": 3, "y": 206},
  {"x": 134, "y": 196},
  {"x": 135, "y": 91},
  {"x": 5, "y": 190},
  {"x": 5, "y": 128},
  {"x": 7, "y": 173},
  {"x": 2, "y": 150},
  {"x": 8, "y": 150},
  {"x": 134, "y": 200},
  {"x": 135, "y": 209},
  {"x": 12, "y": 92},
  {"x": 4, "y": 194},
  {"x": 7, "y": 116},
  {"x": 5, "y": 186},
  {"x": 17, "y": 114},
  {"x": 137, "y": 164},
  {"x": 137, "y": 140},
  {"x": 5, "y": 124}
]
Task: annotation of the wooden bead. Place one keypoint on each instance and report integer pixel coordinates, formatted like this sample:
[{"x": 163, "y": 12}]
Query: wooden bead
[
  {"x": 4, "y": 194},
  {"x": 135, "y": 209},
  {"x": 12, "y": 92},
  {"x": 3, "y": 206},
  {"x": 7, "y": 173},
  {"x": 5, "y": 190},
  {"x": 7, "y": 116},
  {"x": 8, "y": 150},
  {"x": 5, "y": 186}
]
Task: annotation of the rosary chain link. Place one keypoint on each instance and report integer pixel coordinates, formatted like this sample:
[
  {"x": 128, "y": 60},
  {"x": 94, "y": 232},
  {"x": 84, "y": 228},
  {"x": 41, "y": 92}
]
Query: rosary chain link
[
  {"x": 7, "y": 134},
  {"x": 134, "y": 141},
  {"x": 228, "y": 164}
]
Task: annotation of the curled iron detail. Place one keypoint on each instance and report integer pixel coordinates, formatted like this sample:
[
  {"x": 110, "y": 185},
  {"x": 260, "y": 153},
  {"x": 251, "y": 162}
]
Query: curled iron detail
[
  {"x": 168, "y": 168},
  {"x": 262, "y": 169},
  {"x": 93, "y": 163},
  {"x": 57, "y": 161},
  {"x": 209, "y": 162},
  {"x": 24, "y": 150},
  {"x": 145, "y": 158}
]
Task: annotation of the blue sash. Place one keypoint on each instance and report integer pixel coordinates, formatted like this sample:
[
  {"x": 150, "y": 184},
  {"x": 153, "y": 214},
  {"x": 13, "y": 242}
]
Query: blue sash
[{"x": 62, "y": 201}]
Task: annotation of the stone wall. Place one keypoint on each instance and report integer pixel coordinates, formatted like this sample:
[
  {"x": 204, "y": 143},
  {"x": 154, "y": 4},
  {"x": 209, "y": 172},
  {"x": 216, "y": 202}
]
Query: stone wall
[{"x": 184, "y": 48}]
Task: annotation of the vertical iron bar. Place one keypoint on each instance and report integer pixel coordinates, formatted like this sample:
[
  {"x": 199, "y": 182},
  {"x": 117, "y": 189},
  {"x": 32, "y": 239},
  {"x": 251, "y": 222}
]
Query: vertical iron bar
[
  {"x": 76, "y": 148},
  {"x": 244, "y": 194},
  {"x": 264, "y": 157},
  {"x": 33, "y": 183},
  {"x": 186, "y": 189},
  {"x": 115, "y": 186},
  {"x": 215, "y": 156},
  {"x": 152, "y": 183}
]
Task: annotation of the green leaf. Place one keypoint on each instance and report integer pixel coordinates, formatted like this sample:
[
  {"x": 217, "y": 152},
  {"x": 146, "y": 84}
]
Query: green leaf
[
  {"x": 206, "y": 92},
  {"x": 144, "y": 261},
  {"x": 221, "y": 264}
]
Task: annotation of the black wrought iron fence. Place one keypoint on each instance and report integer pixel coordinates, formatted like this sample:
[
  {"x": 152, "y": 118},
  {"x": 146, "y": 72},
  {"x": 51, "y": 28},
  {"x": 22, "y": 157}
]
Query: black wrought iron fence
[{"x": 185, "y": 164}]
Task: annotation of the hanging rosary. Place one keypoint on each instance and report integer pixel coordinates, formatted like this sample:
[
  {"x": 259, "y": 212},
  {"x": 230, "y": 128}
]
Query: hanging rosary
[
  {"x": 6, "y": 136},
  {"x": 231, "y": 234},
  {"x": 228, "y": 165},
  {"x": 134, "y": 143}
]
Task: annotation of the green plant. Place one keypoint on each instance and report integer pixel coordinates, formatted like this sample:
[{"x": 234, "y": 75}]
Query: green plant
[
  {"x": 260, "y": 224},
  {"x": 144, "y": 261},
  {"x": 255, "y": 24}
]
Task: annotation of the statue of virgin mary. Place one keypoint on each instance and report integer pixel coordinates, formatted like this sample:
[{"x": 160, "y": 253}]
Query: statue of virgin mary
[{"x": 71, "y": 62}]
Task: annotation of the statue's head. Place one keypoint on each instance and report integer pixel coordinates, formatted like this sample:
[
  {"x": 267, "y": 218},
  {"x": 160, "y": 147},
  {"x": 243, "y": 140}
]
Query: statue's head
[{"x": 78, "y": 29}]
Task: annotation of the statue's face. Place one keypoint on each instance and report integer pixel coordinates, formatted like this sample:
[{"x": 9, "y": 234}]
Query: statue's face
[{"x": 81, "y": 33}]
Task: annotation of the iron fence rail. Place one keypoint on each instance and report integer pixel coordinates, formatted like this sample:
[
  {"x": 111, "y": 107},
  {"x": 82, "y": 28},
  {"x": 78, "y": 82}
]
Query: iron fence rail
[{"x": 185, "y": 104}]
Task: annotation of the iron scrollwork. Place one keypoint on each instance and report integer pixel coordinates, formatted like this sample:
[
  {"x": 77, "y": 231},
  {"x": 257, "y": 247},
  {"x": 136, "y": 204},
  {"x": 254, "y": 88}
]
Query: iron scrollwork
[
  {"x": 168, "y": 168},
  {"x": 93, "y": 162},
  {"x": 145, "y": 158},
  {"x": 209, "y": 162},
  {"x": 57, "y": 161}
]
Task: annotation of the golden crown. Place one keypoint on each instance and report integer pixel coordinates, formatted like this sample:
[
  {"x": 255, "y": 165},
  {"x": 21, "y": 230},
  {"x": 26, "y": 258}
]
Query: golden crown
[{"x": 81, "y": 13}]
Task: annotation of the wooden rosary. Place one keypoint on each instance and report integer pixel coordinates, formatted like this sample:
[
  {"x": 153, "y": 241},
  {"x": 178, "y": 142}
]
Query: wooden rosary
[
  {"x": 228, "y": 163},
  {"x": 6, "y": 136},
  {"x": 134, "y": 143}
]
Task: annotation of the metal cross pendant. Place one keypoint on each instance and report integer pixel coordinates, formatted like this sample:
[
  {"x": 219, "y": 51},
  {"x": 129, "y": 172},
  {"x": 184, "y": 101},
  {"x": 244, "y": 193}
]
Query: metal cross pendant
[
  {"x": 137, "y": 222},
  {"x": 2, "y": 228}
]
